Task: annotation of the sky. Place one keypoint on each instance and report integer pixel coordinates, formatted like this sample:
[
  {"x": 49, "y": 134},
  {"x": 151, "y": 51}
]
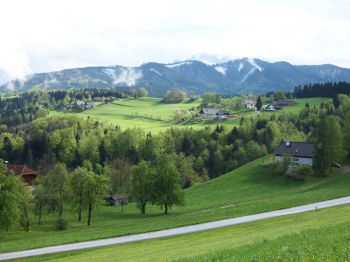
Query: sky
[{"x": 49, "y": 35}]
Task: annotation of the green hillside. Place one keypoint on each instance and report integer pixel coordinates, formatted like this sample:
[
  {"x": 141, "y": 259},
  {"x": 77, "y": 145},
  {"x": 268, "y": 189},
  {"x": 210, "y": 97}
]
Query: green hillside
[
  {"x": 247, "y": 190},
  {"x": 151, "y": 114},
  {"x": 313, "y": 236}
]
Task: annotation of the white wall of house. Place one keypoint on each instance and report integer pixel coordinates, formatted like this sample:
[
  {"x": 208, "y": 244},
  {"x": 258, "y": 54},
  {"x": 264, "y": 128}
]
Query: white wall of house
[{"x": 297, "y": 160}]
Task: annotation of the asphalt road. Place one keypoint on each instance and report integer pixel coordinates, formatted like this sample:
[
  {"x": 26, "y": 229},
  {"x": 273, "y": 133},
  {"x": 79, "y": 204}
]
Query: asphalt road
[{"x": 173, "y": 231}]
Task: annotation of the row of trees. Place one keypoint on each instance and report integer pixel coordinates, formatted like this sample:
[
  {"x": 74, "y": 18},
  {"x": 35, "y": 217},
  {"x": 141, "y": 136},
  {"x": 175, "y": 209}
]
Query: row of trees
[
  {"x": 174, "y": 96},
  {"x": 322, "y": 89},
  {"x": 29, "y": 106},
  {"x": 84, "y": 190}
]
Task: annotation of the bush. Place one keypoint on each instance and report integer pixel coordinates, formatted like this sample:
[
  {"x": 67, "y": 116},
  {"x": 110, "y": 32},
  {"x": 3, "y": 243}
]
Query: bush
[
  {"x": 305, "y": 171},
  {"x": 61, "y": 224},
  {"x": 278, "y": 169}
]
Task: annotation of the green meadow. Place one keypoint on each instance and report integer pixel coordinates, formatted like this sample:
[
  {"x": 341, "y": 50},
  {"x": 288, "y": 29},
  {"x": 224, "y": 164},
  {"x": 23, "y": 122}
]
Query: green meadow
[
  {"x": 247, "y": 190},
  {"x": 150, "y": 114},
  {"x": 313, "y": 236}
]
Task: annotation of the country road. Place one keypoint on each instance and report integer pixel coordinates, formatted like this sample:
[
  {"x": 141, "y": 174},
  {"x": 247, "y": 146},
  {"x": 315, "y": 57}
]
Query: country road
[{"x": 173, "y": 231}]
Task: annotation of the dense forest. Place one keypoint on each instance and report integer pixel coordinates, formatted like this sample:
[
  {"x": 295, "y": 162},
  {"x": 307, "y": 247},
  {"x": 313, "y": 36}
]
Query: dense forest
[{"x": 322, "y": 90}]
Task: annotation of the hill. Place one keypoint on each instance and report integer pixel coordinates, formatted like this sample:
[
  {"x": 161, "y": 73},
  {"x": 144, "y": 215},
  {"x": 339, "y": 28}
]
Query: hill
[
  {"x": 247, "y": 190},
  {"x": 151, "y": 114},
  {"x": 238, "y": 76}
]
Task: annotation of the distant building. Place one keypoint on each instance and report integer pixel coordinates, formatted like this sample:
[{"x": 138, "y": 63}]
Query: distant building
[
  {"x": 117, "y": 200},
  {"x": 213, "y": 113},
  {"x": 27, "y": 174},
  {"x": 299, "y": 152},
  {"x": 222, "y": 114},
  {"x": 270, "y": 107},
  {"x": 248, "y": 103},
  {"x": 284, "y": 103},
  {"x": 208, "y": 112},
  {"x": 88, "y": 105}
]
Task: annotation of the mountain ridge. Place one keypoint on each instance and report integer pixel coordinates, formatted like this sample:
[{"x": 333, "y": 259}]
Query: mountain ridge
[{"x": 236, "y": 76}]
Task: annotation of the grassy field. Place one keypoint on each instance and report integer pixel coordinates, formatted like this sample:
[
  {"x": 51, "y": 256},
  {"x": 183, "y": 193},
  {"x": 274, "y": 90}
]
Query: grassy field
[
  {"x": 247, "y": 190},
  {"x": 300, "y": 104},
  {"x": 148, "y": 113},
  {"x": 152, "y": 115},
  {"x": 313, "y": 236}
]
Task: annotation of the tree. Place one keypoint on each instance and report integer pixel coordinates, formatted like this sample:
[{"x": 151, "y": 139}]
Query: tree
[
  {"x": 346, "y": 131},
  {"x": 95, "y": 191},
  {"x": 76, "y": 185},
  {"x": 26, "y": 207},
  {"x": 166, "y": 184},
  {"x": 141, "y": 183},
  {"x": 89, "y": 148},
  {"x": 280, "y": 95},
  {"x": 149, "y": 148},
  {"x": 141, "y": 92},
  {"x": 118, "y": 171},
  {"x": 56, "y": 187},
  {"x": 210, "y": 98},
  {"x": 9, "y": 197},
  {"x": 40, "y": 197},
  {"x": 185, "y": 167},
  {"x": 174, "y": 96},
  {"x": 258, "y": 103},
  {"x": 329, "y": 144}
]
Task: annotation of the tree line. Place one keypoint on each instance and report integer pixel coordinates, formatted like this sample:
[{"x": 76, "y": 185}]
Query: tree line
[
  {"x": 28, "y": 106},
  {"x": 322, "y": 90}
]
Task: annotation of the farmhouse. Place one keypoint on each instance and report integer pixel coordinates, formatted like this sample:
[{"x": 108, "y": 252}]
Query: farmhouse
[
  {"x": 299, "y": 152},
  {"x": 117, "y": 200},
  {"x": 208, "y": 112},
  {"x": 249, "y": 103},
  {"x": 213, "y": 113},
  {"x": 27, "y": 174},
  {"x": 270, "y": 107},
  {"x": 222, "y": 114},
  {"x": 283, "y": 103}
]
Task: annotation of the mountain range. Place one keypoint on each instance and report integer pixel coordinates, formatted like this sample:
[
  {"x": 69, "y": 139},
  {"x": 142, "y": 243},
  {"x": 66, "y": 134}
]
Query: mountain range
[{"x": 238, "y": 76}]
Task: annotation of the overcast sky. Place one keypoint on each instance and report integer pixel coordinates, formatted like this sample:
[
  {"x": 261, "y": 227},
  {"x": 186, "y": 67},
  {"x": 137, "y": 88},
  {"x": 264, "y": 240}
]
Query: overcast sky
[{"x": 46, "y": 35}]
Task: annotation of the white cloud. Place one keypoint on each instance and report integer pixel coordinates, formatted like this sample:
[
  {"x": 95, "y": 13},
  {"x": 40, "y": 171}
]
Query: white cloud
[{"x": 41, "y": 35}]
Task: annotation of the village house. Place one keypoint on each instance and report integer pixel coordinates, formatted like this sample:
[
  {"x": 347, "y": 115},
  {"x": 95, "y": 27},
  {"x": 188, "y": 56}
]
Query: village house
[
  {"x": 300, "y": 153},
  {"x": 213, "y": 113},
  {"x": 117, "y": 200},
  {"x": 248, "y": 103},
  {"x": 27, "y": 174},
  {"x": 222, "y": 114},
  {"x": 208, "y": 112},
  {"x": 270, "y": 107}
]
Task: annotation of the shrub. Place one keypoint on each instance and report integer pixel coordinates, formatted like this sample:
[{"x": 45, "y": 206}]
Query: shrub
[
  {"x": 305, "y": 171},
  {"x": 61, "y": 224},
  {"x": 278, "y": 169}
]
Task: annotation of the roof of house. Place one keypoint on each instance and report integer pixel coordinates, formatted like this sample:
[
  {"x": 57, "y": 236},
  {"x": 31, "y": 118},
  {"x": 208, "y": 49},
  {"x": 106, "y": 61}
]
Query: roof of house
[
  {"x": 21, "y": 170},
  {"x": 209, "y": 111},
  {"x": 222, "y": 113},
  {"x": 118, "y": 196},
  {"x": 286, "y": 103},
  {"x": 296, "y": 149}
]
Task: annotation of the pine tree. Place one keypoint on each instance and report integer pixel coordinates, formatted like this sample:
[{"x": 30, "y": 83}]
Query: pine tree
[{"x": 259, "y": 103}]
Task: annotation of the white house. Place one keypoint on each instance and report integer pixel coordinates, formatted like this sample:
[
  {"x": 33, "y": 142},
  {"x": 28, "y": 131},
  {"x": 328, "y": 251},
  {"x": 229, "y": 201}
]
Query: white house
[
  {"x": 270, "y": 107},
  {"x": 300, "y": 153},
  {"x": 249, "y": 103}
]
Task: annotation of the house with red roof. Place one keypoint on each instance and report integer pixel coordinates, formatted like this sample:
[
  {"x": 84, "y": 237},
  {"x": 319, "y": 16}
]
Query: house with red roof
[{"x": 27, "y": 174}]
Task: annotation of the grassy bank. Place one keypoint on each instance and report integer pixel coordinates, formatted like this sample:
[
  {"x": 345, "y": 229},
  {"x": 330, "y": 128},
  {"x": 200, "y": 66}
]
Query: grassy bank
[
  {"x": 313, "y": 236},
  {"x": 247, "y": 190}
]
